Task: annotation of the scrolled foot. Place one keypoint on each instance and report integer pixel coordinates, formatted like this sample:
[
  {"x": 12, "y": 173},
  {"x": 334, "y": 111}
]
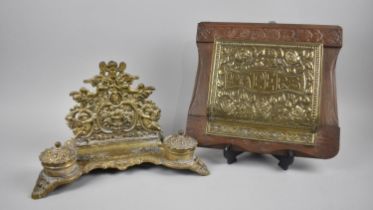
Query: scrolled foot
[
  {"x": 46, "y": 184},
  {"x": 199, "y": 167}
]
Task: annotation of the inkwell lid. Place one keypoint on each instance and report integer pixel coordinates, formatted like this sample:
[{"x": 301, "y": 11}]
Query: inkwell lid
[
  {"x": 57, "y": 155},
  {"x": 180, "y": 141}
]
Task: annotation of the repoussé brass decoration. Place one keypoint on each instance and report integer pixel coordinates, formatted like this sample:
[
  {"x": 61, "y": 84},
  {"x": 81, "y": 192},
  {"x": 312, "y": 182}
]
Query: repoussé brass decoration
[
  {"x": 265, "y": 91},
  {"x": 114, "y": 127}
]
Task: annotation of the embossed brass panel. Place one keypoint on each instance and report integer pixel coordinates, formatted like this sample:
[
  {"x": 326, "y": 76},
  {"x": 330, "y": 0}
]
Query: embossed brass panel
[{"x": 265, "y": 91}]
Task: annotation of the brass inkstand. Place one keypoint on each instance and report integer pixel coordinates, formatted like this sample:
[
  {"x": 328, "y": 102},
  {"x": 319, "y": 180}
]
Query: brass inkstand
[{"x": 114, "y": 127}]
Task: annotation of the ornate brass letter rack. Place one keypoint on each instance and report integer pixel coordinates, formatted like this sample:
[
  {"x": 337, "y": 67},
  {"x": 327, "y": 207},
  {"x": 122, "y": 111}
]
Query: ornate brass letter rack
[
  {"x": 114, "y": 127},
  {"x": 266, "y": 88}
]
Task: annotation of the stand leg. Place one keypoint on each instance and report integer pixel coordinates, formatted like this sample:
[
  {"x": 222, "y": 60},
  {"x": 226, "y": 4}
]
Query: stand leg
[
  {"x": 230, "y": 154},
  {"x": 285, "y": 160}
]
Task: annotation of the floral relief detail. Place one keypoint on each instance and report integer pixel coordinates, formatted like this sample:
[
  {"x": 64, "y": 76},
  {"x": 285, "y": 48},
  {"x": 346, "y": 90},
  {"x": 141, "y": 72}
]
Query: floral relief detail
[
  {"x": 265, "y": 84},
  {"x": 115, "y": 109}
]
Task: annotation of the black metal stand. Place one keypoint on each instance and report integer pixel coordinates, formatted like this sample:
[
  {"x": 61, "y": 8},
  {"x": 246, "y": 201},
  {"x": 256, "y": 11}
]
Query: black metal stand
[
  {"x": 230, "y": 154},
  {"x": 284, "y": 160}
]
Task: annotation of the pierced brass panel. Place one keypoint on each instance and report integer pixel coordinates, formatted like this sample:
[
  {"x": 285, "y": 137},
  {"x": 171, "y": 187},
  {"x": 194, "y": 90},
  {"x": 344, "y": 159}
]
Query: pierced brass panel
[{"x": 265, "y": 91}]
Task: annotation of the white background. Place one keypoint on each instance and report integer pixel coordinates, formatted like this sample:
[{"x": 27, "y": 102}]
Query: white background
[{"x": 48, "y": 47}]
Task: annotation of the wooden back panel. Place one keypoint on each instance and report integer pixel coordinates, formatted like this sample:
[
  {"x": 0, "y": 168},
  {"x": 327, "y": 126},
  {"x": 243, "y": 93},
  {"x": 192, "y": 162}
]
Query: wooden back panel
[{"x": 327, "y": 140}]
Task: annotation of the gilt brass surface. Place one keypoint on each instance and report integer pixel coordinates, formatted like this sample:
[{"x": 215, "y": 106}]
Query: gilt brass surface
[
  {"x": 265, "y": 91},
  {"x": 115, "y": 126}
]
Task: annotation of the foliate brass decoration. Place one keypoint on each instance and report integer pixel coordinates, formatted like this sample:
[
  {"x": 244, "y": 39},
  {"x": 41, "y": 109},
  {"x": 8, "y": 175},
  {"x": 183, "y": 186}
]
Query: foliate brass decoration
[
  {"x": 115, "y": 127},
  {"x": 265, "y": 91},
  {"x": 115, "y": 110}
]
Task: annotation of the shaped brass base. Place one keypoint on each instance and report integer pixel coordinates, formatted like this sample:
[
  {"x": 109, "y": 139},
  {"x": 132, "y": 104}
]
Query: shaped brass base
[{"x": 170, "y": 153}]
